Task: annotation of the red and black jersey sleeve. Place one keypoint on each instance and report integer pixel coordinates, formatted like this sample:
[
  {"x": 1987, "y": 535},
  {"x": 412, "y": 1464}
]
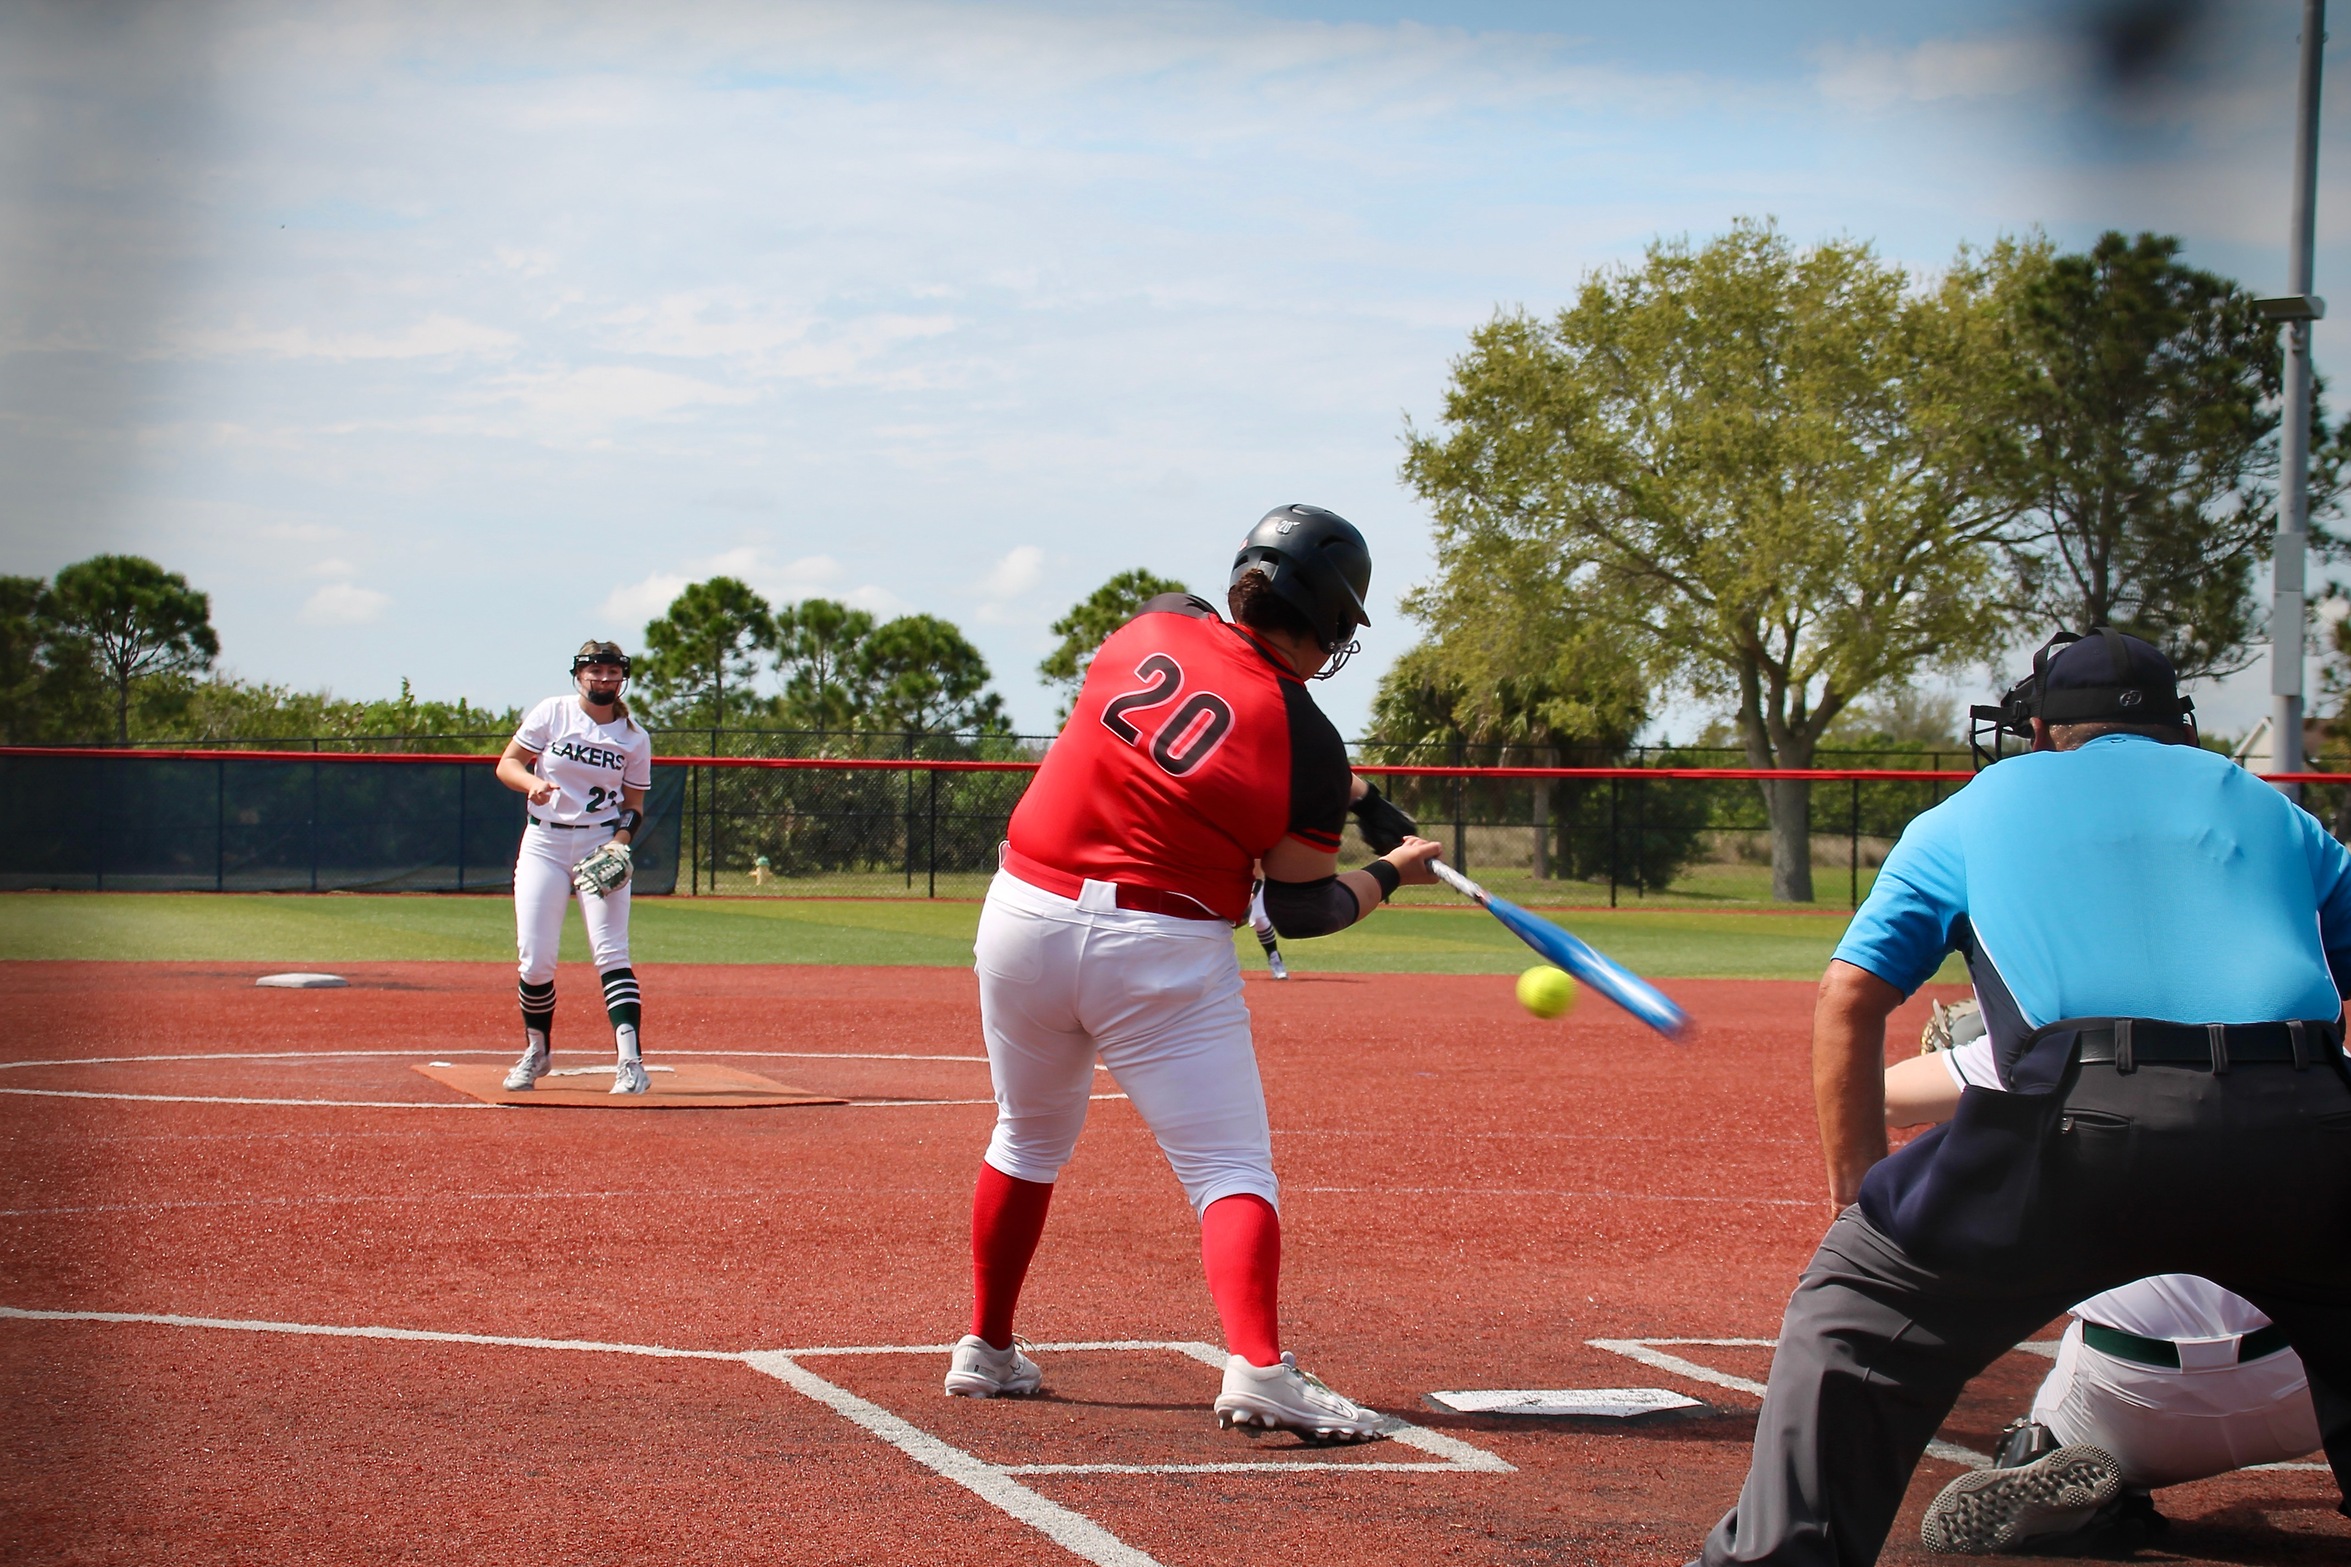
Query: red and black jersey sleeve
[
  {"x": 1320, "y": 779},
  {"x": 1191, "y": 751}
]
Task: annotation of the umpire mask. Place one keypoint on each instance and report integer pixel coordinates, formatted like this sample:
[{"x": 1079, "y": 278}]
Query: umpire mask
[{"x": 2103, "y": 676}]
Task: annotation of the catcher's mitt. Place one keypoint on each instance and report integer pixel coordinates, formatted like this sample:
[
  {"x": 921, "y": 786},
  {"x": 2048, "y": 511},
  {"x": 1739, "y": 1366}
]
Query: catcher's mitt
[
  {"x": 1382, "y": 823},
  {"x": 604, "y": 872},
  {"x": 1949, "y": 1027}
]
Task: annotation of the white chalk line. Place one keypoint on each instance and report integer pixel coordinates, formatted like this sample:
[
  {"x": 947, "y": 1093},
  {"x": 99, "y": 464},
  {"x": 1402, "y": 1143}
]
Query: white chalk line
[
  {"x": 1646, "y": 1351},
  {"x": 228, "y": 1099},
  {"x": 415, "y": 1104},
  {"x": 444, "y": 1104},
  {"x": 997, "y": 1484},
  {"x": 499, "y": 1051},
  {"x": 1546, "y": 1191},
  {"x": 1073, "y": 1531},
  {"x": 426, "y": 1199}
]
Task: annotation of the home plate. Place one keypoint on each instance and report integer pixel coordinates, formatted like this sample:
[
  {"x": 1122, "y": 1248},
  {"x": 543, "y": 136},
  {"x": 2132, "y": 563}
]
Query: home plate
[
  {"x": 1607, "y": 1403},
  {"x": 302, "y": 981},
  {"x": 684, "y": 1085}
]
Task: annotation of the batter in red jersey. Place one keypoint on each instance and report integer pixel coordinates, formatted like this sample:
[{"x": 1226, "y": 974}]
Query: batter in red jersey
[{"x": 1194, "y": 753}]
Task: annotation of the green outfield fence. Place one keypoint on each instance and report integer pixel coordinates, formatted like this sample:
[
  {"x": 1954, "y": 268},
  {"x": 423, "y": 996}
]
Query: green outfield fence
[{"x": 741, "y": 819}]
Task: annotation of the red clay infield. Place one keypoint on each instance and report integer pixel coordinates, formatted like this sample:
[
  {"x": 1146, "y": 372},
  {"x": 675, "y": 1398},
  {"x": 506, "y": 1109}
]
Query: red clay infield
[{"x": 1471, "y": 1197}]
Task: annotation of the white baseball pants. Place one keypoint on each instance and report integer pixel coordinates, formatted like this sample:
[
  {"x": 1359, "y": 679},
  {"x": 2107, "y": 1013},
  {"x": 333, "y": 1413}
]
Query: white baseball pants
[
  {"x": 542, "y": 886},
  {"x": 2168, "y": 1427},
  {"x": 1157, "y": 998}
]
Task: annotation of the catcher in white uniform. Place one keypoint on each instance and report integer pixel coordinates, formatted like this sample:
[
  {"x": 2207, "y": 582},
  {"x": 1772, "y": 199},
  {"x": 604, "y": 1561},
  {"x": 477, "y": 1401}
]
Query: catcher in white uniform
[
  {"x": 2164, "y": 1380},
  {"x": 584, "y": 764}
]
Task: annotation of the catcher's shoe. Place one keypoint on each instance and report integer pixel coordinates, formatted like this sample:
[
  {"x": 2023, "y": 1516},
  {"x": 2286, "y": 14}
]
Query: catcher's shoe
[
  {"x": 978, "y": 1369},
  {"x": 1280, "y": 1397},
  {"x": 629, "y": 1077},
  {"x": 1995, "y": 1510},
  {"x": 533, "y": 1065},
  {"x": 1280, "y": 970}
]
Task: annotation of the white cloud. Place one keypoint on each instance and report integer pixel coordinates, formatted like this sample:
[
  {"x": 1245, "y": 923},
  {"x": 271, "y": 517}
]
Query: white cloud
[
  {"x": 639, "y": 602},
  {"x": 878, "y": 602},
  {"x": 1015, "y": 574},
  {"x": 1868, "y": 78},
  {"x": 344, "y": 604},
  {"x": 789, "y": 583},
  {"x": 610, "y": 394},
  {"x": 436, "y": 336},
  {"x": 765, "y": 339}
]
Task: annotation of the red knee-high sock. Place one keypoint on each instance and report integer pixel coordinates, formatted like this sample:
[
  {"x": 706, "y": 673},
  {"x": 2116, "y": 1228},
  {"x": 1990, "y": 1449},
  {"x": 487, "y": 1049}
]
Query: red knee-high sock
[
  {"x": 1007, "y": 1217},
  {"x": 1241, "y": 1242}
]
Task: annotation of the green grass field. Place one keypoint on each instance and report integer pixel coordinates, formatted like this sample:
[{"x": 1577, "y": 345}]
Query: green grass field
[{"x": 352, "y": 928}]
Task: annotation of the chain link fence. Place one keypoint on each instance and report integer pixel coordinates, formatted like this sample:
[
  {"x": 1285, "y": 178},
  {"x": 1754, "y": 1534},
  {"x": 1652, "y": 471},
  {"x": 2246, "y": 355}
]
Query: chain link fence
[{"x": 784, "y": 813}]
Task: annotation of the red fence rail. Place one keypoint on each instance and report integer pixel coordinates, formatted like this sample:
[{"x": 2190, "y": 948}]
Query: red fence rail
[{"x": 870, "y": 764}]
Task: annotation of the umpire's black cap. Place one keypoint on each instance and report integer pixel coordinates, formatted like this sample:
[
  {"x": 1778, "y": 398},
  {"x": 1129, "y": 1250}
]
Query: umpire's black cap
[
  {"x": 2103, "y": 676},
  {"x": 2106, "y": 677}
]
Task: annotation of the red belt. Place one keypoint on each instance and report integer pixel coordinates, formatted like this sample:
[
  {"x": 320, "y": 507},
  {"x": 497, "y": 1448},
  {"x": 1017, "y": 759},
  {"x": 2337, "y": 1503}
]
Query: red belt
[{"x": 1146, "y": 900}]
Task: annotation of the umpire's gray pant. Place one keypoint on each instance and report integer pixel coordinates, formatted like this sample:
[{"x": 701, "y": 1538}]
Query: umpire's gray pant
[{"x": 2244, "y": 1178}]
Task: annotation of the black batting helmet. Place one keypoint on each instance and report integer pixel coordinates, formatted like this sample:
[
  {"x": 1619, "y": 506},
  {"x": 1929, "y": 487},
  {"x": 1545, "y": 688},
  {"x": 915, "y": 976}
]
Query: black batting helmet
[{"x": 1317, "y": 564}]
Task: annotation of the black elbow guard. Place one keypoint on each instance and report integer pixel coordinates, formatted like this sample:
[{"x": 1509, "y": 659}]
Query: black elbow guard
[{"x": 1300, "y": 909}]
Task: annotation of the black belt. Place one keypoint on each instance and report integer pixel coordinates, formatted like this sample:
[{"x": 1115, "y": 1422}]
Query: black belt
[
  {"x": 2127, "y": 1044},
  {"x": 570, "y": 826},
  {"x": 2163, "y": 1352}
]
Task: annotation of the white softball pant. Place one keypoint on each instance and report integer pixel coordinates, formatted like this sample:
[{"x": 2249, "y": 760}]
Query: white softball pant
[
  {"x": 542, "y": 886},
  {"x": 2168, "y": 1427},
  {"x": 1158, "y": 998}
]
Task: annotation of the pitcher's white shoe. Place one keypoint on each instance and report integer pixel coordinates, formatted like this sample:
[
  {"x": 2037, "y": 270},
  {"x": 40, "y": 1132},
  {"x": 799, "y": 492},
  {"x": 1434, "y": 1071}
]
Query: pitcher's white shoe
[
  {"x": 531, "y": 1067},
  {"x": 629, "y": 1078},
  {"x": 980, "y": 1370},
  {"x": 1280, "y": 1397},
  {"x": 1275, "y": 965}
]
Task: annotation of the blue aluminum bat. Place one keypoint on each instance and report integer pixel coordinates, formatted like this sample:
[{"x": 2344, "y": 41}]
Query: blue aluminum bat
[{"x": 1572, "y": 953}]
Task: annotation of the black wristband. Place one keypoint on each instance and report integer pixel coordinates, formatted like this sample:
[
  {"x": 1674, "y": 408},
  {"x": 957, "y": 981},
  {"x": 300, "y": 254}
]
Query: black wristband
[
  {"x": 1387, "y": 876},
  {"x": 629, "y": 821}
]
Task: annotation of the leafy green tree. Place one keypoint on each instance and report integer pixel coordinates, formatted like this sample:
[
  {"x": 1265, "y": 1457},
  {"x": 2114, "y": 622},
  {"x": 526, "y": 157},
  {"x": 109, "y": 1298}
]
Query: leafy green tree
[
  {"x": 1093, "y": 618},
  {"x": 705, "y": 651},
  {"x": 2145, "y": 462},
  {"x": 22, "y": 664},
  {"x": 226, "y": 708},
  {"x": 926, "y": 678},
  {"x": 1762, "y": 472},
  {"x": 819, "y": 647},
  {"x": 138, "y": 621},
  {"x": 1530, "y": 678}
]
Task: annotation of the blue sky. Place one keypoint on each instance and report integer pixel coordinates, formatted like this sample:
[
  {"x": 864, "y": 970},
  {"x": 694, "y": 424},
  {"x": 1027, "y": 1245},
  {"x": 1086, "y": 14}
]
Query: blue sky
[{"x": 432, "y": 339}]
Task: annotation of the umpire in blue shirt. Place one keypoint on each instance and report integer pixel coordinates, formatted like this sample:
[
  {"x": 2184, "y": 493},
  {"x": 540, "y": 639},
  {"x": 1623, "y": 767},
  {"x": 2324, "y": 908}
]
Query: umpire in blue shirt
[{"x": 2161, "y": 944}]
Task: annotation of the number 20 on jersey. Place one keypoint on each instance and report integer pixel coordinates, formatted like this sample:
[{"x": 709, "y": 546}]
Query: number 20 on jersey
[{"x": 1188, "y": 735}]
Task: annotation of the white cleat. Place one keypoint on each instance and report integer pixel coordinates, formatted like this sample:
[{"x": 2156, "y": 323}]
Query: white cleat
[
  {"x": 980, "y": 1370},
  {"x": 1274, "y": 963},
  {"x": 534, "y": 1063},
  {"x": 1280, "y": 1397},
  {"x": 629, "y": 1078}
]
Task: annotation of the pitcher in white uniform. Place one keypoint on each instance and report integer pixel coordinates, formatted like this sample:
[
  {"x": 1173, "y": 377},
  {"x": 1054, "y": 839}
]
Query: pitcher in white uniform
[
  {"x": 2169, "y": 1379},
  {"x": 584, "y": 764}
]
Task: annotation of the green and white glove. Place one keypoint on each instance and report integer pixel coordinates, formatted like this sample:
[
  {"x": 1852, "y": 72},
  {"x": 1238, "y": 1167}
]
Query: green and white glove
[{"x": 604, "y": 872}]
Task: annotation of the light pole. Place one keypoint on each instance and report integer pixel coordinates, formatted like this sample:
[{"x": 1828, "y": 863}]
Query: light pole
[{"x": 2296, "y": 308}]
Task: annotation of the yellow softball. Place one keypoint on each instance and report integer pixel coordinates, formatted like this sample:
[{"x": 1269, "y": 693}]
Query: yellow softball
[{"x": 1546, "y": 991}]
